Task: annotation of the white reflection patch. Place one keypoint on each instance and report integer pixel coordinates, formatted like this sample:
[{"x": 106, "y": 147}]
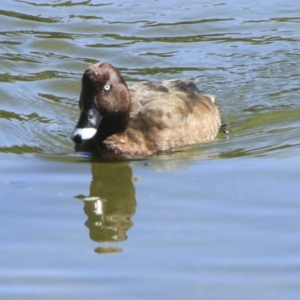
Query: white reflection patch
[{"x": 98, "y": 207}]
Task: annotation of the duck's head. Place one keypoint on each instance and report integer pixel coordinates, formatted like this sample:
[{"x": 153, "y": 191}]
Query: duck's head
[{"x": 104, "y": 103}]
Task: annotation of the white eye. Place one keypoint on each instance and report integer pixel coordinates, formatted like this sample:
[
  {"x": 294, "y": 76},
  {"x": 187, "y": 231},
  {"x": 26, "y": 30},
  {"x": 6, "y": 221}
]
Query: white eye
[{"x": 107, "y": 87}]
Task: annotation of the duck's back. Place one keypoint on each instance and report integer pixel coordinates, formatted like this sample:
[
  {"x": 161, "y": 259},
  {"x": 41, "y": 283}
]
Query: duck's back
[{"x": 166, "y": 115}]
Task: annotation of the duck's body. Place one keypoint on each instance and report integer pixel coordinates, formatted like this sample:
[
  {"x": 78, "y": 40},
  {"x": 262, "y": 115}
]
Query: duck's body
[{"x": 144, "y": 119}]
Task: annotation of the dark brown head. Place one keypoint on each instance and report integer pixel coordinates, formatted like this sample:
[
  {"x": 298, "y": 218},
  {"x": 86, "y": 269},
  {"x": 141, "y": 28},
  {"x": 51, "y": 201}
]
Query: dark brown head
[{"x": 104, "y": 104}]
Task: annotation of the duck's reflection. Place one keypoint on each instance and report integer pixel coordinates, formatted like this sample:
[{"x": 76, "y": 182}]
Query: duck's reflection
[{"x": 111, "y": 202}]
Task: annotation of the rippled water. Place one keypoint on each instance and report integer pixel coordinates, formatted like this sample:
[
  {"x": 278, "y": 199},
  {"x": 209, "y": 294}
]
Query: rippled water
[{"x": 214, "y": 221}]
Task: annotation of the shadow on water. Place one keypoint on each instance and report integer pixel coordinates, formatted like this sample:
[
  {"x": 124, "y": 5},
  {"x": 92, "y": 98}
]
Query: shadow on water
[{"x": 110, "y": 204}]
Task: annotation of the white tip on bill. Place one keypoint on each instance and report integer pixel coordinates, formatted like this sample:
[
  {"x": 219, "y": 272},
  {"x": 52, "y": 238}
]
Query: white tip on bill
[{"x": 84, "y": 133}]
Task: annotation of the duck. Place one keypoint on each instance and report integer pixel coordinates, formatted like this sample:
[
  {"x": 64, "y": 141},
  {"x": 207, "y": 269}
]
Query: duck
[{"x": 143, "y": 119}]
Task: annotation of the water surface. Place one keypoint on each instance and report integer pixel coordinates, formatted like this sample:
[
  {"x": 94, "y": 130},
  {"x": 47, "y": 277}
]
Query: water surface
[{"x": 215, "y": 221}]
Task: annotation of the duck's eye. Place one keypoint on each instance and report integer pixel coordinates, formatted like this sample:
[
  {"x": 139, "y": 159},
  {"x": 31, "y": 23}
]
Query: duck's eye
[
  {"x": 107, "y": 87},
  {"x": 90, "y": 116}
]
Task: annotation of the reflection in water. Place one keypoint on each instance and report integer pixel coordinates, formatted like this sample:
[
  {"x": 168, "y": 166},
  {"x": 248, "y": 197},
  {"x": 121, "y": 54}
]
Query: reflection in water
[{"x": 111, "y": 202}]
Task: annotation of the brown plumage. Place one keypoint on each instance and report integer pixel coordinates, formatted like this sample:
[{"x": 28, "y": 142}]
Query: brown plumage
[{"x": 143, "y": 119}]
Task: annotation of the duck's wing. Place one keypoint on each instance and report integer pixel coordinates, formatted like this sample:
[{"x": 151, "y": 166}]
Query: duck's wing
[{"x": 166, "y": 104}]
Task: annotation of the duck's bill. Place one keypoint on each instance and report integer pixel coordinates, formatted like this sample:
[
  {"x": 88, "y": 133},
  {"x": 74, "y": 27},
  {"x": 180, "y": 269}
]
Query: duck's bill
[{"x": 87, "y": 125}]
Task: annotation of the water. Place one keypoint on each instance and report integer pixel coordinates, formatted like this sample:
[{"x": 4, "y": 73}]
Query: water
[{"x": 214, "y": 221}]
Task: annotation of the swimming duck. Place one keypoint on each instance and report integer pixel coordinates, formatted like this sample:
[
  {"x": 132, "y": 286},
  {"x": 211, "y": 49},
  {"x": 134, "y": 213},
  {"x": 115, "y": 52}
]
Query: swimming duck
[{"x": 142, "y": 119}]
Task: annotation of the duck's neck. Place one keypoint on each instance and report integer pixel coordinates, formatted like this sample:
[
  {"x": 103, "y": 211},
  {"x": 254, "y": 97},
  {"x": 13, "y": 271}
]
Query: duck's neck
[{"x": 108, "y": 126}]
